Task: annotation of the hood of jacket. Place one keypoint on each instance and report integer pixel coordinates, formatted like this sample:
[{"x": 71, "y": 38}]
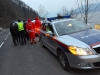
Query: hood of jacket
[
  {"x": 36, "y": 18},
  {"x": 29, "y": 20}
]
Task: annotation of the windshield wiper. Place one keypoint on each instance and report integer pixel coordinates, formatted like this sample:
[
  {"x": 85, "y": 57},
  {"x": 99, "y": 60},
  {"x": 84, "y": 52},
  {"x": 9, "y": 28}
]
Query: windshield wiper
[{"x": 64, "y": 34}]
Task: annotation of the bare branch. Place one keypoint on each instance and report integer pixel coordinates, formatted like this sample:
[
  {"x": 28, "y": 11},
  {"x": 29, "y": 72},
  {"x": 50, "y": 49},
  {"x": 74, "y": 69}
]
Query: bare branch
[
  {"x": 84, "y": 10},
  {"x": 42, "y": 12},
  {"x": 72, "y": 12}
]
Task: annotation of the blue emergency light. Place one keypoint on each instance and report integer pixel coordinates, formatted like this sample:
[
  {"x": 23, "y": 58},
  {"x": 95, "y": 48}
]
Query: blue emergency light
[{"x": 54, "y": 18}]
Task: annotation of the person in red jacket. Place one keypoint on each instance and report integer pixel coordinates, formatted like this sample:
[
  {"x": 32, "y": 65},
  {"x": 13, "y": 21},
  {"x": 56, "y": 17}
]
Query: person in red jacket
[
  {"x": 38, "y": 26},
  {"x": 30, "y": 28}
]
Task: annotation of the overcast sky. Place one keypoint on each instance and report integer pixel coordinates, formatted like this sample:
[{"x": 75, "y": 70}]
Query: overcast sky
[{"x": 52, "y": 6}]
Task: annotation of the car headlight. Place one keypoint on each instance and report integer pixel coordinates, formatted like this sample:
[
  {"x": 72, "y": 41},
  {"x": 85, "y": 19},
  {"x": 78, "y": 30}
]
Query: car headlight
[{"x": 80, "y": 51}]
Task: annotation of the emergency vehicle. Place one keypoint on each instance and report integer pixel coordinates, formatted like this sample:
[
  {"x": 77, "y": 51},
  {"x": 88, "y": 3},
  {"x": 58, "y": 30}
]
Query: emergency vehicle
[{"x": 76, "y": 44}]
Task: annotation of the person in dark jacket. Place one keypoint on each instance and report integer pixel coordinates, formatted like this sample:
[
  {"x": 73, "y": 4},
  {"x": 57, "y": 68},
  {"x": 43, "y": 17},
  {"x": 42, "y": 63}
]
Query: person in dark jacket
[
  {"x": 14, "y": 33},
  {"x": 26, "y": 33}
]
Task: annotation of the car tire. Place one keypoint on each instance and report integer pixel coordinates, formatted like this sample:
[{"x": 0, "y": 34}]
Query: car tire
[
  {"x": 41, "y": 42},
  {"x": 63, "y": 61}
]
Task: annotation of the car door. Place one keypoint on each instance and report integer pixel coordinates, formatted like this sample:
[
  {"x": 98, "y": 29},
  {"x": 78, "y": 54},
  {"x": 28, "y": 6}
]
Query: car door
[
  {"x": 43, "y": 34},
  {"x": 51, "y": 40}
]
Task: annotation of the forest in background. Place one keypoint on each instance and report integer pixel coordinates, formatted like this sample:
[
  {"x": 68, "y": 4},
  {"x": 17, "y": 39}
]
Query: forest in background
[{"x": 12, "y": 10}]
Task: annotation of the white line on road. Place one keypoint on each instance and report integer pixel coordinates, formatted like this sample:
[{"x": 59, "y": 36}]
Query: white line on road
[
  {"x": 1, "y": 44},
  {"x": 4, "y": 39},
  {"x": 7, "y": 36}
]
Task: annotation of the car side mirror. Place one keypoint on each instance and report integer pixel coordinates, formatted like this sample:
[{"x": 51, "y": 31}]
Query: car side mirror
[{"x": 89, "y": 25}]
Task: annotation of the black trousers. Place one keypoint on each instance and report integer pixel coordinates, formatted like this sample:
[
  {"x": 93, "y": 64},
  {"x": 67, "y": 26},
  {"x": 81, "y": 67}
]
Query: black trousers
[
  {"x": 15, "y": 39},
  {"x": 22, "y": 37}
]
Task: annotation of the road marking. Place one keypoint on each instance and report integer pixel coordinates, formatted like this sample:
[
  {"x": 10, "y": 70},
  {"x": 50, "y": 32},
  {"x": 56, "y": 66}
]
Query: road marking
[
  {"x": 7, "y": 36},
  {"x": 4, "y": 39},
  {"x": 1, "y": 44}
]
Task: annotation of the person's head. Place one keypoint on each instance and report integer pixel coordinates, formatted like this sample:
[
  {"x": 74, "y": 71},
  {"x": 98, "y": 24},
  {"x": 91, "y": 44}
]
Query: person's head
[
  {"x": 19, "y": 20},
  {"x": 23, "y": 20},
  {"x": 29, "y": 20},
  {"x": 13, "y": 24},
  {"x": 36, "y": 18}
]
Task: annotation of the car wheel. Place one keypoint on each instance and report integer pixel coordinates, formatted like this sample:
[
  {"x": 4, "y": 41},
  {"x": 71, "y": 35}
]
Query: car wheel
[
  {"x": 63, "y": 60},
  {"x": 42, "y": 43}
]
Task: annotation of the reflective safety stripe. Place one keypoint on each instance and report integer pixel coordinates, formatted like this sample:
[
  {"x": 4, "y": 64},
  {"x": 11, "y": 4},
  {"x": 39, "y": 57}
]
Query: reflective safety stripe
[
  {"x": 31, "y": 30},
  {"x": 47, "y": 29},
  {"x": 20, "y": 26}
]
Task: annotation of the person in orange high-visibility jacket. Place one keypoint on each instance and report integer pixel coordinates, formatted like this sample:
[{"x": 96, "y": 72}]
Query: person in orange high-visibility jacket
[
  {"x": 30, "y": 28},
  {"x": 38, "y": 26}
]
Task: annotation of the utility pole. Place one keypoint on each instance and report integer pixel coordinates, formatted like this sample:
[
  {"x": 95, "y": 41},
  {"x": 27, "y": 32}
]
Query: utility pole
[{"x": 86, "y": 10}]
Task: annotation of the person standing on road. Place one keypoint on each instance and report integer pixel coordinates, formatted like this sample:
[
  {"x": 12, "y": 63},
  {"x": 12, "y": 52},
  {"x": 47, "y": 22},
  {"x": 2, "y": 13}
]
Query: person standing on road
[
  {"x": 30, "y": 28},
  {"x": 26, "y": 33},
  {"x": 21, "y": 32},
  {"x": 38, "y": 26},
  {"x": 14, "y": 33}
]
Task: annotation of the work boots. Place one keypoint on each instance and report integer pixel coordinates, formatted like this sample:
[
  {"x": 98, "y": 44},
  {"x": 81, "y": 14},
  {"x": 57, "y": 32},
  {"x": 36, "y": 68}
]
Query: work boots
[{"x": 33, "y": 41}]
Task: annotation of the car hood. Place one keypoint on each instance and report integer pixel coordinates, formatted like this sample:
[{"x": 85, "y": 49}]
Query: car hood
[
  {"x": 90, "y": 37},
  {"x": 84, "y": 38}
]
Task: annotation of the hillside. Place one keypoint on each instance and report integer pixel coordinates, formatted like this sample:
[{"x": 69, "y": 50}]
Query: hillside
[
  {"x": 11, "y": 10},
  {"x": 95, "y": 6}
]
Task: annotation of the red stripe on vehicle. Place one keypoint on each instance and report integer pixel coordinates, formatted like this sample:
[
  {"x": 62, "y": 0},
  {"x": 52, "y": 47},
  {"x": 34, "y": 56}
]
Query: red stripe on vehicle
[
  {"x": 95, "y": 44},
  {"x": 60, "y": 43}
]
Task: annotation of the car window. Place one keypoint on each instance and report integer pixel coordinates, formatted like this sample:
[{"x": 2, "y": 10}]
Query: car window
[
  {"x": 68, "y": 27},
  {"x": 47, "y": 27},
  {"x": 43, "y": 26},
  {"x": 50, "y": 27}
]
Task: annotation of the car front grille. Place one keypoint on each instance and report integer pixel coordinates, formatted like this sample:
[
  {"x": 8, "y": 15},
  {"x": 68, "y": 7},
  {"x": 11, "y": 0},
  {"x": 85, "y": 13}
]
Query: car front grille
[{"x": 97, "y": 50}]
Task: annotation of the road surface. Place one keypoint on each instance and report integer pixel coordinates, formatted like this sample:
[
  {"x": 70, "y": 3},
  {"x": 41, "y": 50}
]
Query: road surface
[{"x": 31, "y": 60}]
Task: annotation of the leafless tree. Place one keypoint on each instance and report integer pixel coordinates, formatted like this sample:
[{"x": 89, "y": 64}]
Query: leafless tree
[
  {"x": 84, "y": 8},
  {"x": 64, "y": 11},
  {"x": 72, "y": 12},
  {"x": 42, "y": 12}
]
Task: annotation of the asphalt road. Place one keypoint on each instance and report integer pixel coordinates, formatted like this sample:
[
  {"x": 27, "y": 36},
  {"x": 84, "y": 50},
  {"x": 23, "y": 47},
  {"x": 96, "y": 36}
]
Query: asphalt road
[{"x": 31, "y": 60}]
